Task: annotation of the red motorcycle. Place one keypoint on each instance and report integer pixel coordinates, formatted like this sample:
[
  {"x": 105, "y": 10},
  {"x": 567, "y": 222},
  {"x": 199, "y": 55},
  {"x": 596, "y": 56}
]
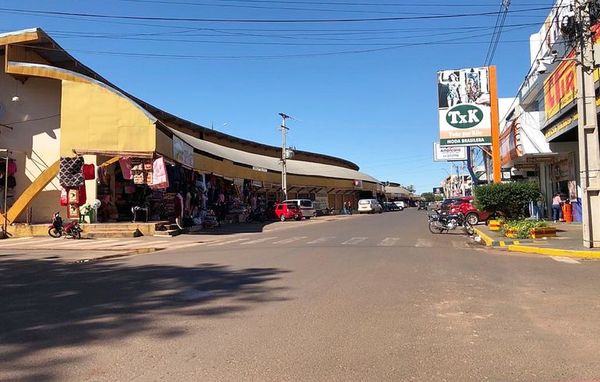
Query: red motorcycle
[{"x": 71, "y": 230}]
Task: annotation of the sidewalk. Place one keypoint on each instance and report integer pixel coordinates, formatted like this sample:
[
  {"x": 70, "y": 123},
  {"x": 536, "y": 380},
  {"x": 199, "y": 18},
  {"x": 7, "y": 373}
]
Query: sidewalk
[{"x": 567, "y": 243}]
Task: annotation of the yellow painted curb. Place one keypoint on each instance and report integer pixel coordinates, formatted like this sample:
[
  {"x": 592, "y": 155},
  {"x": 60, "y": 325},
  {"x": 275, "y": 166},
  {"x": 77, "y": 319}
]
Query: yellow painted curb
[
  {"x": 555, "y": 252},
  {"x": 486, "y": 239}
]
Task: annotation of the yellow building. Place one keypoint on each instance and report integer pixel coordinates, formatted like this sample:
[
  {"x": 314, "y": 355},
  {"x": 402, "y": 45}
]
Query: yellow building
[{"x": 53, "y": 106}]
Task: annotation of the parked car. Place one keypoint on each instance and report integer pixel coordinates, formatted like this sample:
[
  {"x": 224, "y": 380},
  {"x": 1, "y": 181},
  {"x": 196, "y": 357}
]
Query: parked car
[
  {"x": 287, "y": 211},
  {"x": 422, "y": 206},
  {"x": 369, "y": 205},
  {"x": 465, "y": 206},
  {"x": 391, "y": 206},
  {"x": 446, "y": 203},
  {"x": 306, "y": 207},
  {"x": 400, "y": 204}
]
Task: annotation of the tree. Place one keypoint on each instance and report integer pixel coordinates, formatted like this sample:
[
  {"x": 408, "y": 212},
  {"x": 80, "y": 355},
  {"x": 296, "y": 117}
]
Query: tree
[
  {"x": 509, "y": 199},
  {"x": 410, "y": 188},
  {"x": 428, "y": 196}
]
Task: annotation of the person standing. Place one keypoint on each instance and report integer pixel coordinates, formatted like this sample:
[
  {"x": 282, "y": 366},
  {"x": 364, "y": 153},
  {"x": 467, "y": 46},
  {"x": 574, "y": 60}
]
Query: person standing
[{"x": 556, "y": 211}]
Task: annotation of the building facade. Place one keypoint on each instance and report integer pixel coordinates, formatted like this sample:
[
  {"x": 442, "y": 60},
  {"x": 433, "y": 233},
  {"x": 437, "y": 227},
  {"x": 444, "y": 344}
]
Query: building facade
[{"x": 55, "y": 111}]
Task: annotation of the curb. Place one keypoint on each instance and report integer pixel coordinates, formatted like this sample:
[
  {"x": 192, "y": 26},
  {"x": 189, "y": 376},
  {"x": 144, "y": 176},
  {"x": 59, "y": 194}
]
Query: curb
[
  {"x": 555, "y": 252},
  {"x": 491, "y": 242}
]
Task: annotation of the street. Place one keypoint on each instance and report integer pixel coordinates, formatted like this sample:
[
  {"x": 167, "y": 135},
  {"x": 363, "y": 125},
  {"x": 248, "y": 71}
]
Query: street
[{"x": 364, "y": 298}]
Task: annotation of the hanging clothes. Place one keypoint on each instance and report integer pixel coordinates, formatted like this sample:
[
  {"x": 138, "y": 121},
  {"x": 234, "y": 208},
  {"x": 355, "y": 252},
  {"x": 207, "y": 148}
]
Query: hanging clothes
[
  {"x": 126, "y": 165},
  {"x": 89, "y": 171},
  {"x": 160, "y": 179},
  {"x": 70, "y": 172}
]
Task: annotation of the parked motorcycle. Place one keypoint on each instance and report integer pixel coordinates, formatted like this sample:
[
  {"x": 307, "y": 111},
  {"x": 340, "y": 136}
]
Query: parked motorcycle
[
  {"x": 440, "y": 222},
  {"x": 257, "y": 215},
  {"x": 57, "y": 229}
]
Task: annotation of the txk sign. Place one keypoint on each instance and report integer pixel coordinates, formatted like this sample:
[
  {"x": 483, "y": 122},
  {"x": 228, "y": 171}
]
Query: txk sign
[{"x": 464, "y": 107}]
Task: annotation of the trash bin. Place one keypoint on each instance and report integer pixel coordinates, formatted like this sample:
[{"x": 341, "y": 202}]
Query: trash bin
[
  {"x": 567, "y": 211},
  {"x": 577, "y": 215}
]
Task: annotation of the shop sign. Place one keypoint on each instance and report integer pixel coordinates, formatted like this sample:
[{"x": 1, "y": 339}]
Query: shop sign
[
  {"x": 510, "y": 143},
  {"x": 560, "y": 88},
  {"x": 358, "y": 184},
  {"x": 257, "y": 183},
  {"x": 464, "y": 110},
  {"x": 449, "y": 153},
  {"x": 561, "y": 127},
  {"x": 261, "y": 169},
  {"x": 182, "y": 152}
]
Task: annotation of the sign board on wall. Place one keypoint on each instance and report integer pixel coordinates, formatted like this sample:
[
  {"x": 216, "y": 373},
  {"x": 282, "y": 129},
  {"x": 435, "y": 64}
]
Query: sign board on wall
[
  {"x": 182, "y": 152},
  {"x": 449, "y": 153},
  {"x": 464, "y": 107}
]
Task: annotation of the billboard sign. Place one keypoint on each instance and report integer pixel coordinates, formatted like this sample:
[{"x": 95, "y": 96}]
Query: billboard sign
[
  {"x": 438, "y": 190},
  {"x": 464, "y": 107},
  {"x": 449, "y": 153}
]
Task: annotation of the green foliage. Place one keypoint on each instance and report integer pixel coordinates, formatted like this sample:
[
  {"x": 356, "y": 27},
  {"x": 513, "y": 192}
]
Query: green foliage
[
  {"x": 508, "y": 199},
  {"x": 428, "y": 196},
  {"x": 521, "y": 228},
  {"x": 439, "y": 198}
]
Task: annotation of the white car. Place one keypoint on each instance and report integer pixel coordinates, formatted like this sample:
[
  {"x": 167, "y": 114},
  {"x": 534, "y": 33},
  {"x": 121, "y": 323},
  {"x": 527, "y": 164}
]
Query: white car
[
  {"x": 400, "y": 204},
  {"x": 369, "y": 206},
  {"x": 305, "y": 205}
]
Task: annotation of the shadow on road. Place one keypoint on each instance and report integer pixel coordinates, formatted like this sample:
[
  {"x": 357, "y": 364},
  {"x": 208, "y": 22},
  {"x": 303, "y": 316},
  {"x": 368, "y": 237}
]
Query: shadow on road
[{"x": 49, "y": 305}]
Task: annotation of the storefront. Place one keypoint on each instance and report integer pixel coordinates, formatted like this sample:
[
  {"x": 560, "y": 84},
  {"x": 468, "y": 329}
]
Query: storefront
[{"x": 147, "y": 163}]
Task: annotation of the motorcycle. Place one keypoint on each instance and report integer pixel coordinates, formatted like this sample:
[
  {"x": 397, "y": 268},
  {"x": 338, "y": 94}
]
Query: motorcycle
[
  {"x": 440, "y": 222},
  {"x": 257, "y": 215},
  {"x": 57, "y": 229}
]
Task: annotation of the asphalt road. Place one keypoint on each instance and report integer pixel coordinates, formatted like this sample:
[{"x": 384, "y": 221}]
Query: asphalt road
[{"x": 366, "y": 298}]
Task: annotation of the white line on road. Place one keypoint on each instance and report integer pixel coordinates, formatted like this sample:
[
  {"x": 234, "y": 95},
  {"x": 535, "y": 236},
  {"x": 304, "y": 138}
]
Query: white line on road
[
  {"x": 225, "y": 242},
  {"x": 290, "y": 240},
  {"x": 424, "y": 243},
  {"x": 354, "y": 241},
  {"x": 388, "y": 242},
  {"x": 321, "y": 240},
  {"x": 565, "y": 260},
  {"x": 259, "y": 240}
]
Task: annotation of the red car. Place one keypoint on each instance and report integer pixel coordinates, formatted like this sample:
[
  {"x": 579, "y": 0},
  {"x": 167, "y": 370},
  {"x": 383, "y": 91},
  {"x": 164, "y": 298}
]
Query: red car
[
  {"x": 465, "y": 206},
  {"x": 287, "y": 211}
]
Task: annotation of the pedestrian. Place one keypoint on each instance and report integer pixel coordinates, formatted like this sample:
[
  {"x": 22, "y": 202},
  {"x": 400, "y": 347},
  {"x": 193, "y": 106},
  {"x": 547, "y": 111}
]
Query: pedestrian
[
  {"x": 556, "y": 210},
  {"x": 350, "y": 207}
]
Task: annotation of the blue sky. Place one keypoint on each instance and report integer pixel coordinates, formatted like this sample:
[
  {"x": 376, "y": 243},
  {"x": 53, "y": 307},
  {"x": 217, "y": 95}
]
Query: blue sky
[{"x": 363, "y": 91}]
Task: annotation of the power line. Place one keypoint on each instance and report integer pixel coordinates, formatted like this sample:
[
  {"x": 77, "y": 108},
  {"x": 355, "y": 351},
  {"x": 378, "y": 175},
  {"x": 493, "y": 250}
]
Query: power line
[
  {"x": 496, "y": 38},
  {"x": 262, "y": 21},
  {"x": 458, "y": 40}
]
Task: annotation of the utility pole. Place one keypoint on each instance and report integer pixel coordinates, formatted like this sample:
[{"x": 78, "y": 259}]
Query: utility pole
[
  {"x": 589, "y": 149},
  {"x": 284, "y": 130}
]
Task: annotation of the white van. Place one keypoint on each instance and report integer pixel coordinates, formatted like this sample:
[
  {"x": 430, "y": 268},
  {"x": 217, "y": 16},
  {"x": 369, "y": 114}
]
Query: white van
[
  {"x": 369, "y": 205},
  {"x": 306, "y": 207}
]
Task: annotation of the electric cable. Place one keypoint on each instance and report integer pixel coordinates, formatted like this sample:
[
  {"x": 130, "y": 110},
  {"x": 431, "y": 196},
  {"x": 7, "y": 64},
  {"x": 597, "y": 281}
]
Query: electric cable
[{"x": 261, "y": 21}]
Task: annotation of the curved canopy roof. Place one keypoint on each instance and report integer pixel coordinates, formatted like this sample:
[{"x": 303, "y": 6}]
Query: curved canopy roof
[{"x": 294, "y": 167}]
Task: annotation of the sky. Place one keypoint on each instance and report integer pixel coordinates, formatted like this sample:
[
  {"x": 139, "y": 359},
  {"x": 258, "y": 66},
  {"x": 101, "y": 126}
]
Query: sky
[{"x": 357, "y": 88}]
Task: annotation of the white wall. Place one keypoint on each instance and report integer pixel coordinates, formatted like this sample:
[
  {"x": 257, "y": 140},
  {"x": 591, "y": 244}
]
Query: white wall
[{"x": 34, "y": 141}]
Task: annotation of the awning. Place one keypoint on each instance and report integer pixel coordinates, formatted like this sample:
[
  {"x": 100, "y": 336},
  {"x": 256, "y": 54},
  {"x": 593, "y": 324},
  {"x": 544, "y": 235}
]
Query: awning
[
  {"x": 522, "y": 138},
  {"x": 294, "y": 167}
]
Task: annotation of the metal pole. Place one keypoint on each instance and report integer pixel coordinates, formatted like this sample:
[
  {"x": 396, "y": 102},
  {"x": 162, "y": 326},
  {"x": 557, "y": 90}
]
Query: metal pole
[
  {"x": 284, "y": 130},
  {"x": 589, "y": 148}
]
